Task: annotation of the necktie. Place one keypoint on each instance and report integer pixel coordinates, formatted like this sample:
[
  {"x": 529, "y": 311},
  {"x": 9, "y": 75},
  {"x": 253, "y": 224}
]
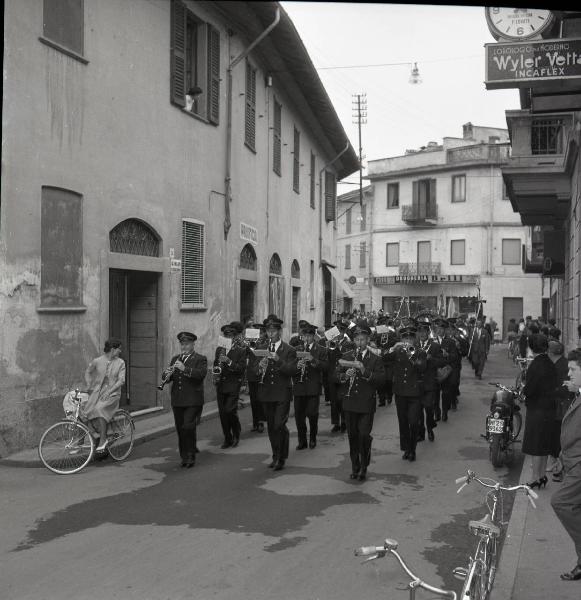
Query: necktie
[{"x": 272, "y": 349}]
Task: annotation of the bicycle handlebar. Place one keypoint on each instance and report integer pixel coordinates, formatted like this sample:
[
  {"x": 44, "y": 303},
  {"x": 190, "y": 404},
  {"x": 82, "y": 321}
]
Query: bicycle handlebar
[
  {"x": 471, "y": 475},
  {"x": 390, "y": 547}
]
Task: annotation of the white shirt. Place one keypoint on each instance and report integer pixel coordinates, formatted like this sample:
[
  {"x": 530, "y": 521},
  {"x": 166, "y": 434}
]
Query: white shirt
[{"x": 276, "y": 345}]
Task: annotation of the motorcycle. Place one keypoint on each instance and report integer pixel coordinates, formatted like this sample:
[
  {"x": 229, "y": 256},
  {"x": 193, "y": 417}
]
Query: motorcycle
[{"x": 503, "y": 424}]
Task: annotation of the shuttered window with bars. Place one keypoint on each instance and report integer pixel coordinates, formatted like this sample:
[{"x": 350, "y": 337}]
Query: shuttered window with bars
[
  {"x": 250, "y": 120},
  {"x": 330, "y": 196},
  {"x": 277, "y": 138},
  {"x": 193, "y": 263},
  {"x": 296, "y": 160},
  {"x": 195, "y": 64}
]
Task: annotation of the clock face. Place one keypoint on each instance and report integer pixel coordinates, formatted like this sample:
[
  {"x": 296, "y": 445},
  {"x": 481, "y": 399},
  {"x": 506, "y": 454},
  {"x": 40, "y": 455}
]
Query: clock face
[{"x": 518, "y": 23}]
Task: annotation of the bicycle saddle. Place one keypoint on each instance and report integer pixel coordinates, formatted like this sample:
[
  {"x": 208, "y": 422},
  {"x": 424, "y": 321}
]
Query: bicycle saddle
[{"x": 484, "y": 525}]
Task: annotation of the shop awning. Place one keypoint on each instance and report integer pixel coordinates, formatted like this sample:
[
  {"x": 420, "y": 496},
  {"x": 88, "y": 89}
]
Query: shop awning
[{"x": 347, "y": 292}]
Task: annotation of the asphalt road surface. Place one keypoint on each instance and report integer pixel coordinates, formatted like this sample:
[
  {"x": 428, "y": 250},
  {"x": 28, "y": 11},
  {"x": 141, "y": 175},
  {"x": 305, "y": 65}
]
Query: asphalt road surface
[{"x": 232, "y": 529}]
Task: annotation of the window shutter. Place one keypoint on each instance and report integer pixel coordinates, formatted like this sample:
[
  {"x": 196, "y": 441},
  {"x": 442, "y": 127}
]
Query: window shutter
[
  {"x": 330, "y": 196},
  {"x": 296, "y": 160},
  {"x": 432, "y": 193},
  {"x": 193, "y": 260},
  {"x": 276, "y": 133},
  {"x": 415, "y": 195},
  {"x": 213, "y": 75},
  {"x": 250, "y": 122},
  {"x": 178, "y": 53}
]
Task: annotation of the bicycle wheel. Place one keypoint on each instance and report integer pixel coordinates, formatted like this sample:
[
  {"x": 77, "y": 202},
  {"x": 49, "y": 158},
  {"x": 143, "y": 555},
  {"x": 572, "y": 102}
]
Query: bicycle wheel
[
  {"x": 516, "y": 424},
  {"x": 476, "y": 583},
  {"x": 66, "y": 447},
  {"x": 120, "y": 435},
  {"x": 490, "y": 562}
]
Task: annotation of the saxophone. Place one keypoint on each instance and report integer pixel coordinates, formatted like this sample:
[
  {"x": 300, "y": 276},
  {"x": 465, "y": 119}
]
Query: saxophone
[{"x": 217, "y": 370}]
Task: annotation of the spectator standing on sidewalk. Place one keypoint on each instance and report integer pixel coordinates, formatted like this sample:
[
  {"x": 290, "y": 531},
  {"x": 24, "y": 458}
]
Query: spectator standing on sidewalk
[
  {"x": 539, "y": 392},
  {"x": 566, "y": 501}
]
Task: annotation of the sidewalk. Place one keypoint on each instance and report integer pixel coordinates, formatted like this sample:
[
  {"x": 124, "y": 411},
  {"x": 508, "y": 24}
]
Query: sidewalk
[
  {"x": 536, "y": 551},
  {"x": 146, "y": 428}
]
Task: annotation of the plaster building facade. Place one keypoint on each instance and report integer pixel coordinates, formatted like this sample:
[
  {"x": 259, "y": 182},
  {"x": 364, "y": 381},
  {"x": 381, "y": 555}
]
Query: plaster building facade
[
  {"x": 543, "y": 174},
  {"x": 163, "y": 173},
  {"x": 440, "y": 233}
]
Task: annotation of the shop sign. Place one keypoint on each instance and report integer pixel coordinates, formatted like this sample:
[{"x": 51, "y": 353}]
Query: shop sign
[
  {"x": 522, "y": 64},
  {"x": 175, "y": 265},
  {"x": 396, "y": 279},
  {"x": 249, "y": 233}
]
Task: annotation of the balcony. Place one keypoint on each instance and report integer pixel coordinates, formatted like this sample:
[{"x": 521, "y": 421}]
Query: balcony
[
  {"x": 487, "y": 153},
  {"x": 420, "y": 214},
  {"x": 538, "y": 174},
  {"x": 423, "y": 268}
]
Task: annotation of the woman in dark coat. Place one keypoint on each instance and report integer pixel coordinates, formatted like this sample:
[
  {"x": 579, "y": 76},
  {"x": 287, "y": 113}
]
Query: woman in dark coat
[{"x": 539, "y": 392}]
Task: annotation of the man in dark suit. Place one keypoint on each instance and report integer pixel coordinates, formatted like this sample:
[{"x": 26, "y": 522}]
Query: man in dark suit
[
  {"x": 232, "y": 364},
  {"x": 435, "y": 360},
  {"x": 307, "y": 387},
  {"x": 186, "y": 372},
  {"x": 357, "y": 387},
  {"x": 479, "y": 348},
  {"x": 252, "y": 378},
  {"x": 275, "y": 390},
  {"x": 408, "y": 364}
]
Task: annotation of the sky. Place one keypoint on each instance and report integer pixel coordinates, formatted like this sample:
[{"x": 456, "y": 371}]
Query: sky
[{"x": 447, "y": 42}]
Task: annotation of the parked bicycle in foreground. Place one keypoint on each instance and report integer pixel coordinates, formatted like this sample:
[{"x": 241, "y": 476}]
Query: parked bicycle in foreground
[
  {"x": 390, "y": 547},
  {"x": 479, "y": 576},
  {"x": 68, "y": 446}
]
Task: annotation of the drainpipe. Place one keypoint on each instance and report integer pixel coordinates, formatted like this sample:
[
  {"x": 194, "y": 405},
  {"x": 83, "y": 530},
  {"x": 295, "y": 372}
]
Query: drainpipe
[
  {"x": 233, "y": 63},
  {"x": 321, "y": 214}
]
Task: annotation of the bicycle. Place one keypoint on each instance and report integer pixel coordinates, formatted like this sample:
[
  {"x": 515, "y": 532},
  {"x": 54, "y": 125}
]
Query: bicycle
[
  {"x": 68, "y": 446},
  {"x": 479, "y": 576},
  {"x": 521, "y": 377},
  {"x": 390, "y": 547},
  {"x": 512, "y": 349}
]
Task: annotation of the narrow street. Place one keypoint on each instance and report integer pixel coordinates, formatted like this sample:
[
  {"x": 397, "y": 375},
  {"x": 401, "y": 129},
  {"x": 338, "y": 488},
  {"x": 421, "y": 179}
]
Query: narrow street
[{"x": 232, "y": 529}]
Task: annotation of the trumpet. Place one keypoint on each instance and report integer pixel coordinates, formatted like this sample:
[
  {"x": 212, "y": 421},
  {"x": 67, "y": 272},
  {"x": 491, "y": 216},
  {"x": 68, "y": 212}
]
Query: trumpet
[
  {"x": 217, "y": 370},
  {"x": 263, "y": 367},
  {"x": 303, "y": 362},
  {"x": 166, "y": 376}
]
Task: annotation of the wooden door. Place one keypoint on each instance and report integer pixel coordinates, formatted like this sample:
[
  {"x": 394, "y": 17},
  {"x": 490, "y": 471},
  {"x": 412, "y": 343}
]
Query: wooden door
[
  {"x": 118, "y": 318},
  {"x": 512, "y": 308}
]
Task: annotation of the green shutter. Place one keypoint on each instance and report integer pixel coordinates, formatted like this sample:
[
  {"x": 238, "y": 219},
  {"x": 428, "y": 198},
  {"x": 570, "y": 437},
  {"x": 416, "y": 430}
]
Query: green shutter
[
  {"x": 213, "y": 75},
  {"x": 178, "y": 53}
]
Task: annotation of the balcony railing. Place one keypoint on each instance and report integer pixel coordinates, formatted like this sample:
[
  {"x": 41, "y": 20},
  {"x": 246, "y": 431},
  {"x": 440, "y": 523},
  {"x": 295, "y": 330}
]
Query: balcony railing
[
  {"x": 492, "y": 153},
  {"x": 427, "y": 268},
  {"x": 547, "y": 136},
  {"x": 419, "y": 213}
]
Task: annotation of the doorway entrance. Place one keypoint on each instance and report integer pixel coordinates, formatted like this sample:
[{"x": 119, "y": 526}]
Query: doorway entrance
[
  {"x": 512, "y": 308},
  {"x": 133, "y": 300},
  {"x": 247, "y": 300}
]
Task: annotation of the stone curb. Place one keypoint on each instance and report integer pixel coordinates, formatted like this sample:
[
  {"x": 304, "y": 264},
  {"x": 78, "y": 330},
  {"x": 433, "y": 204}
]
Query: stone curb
[{"x": 509, "y": 559}]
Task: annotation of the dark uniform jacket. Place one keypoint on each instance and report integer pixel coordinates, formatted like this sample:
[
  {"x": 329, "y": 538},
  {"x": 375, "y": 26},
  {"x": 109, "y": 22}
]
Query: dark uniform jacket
[
  {"x": 252, "y": 360},
  {"x": 361, "y": 399},
  {"x": 453, "y": 358},
  {"x": 232, "y": 375},
  {"x": 278, "y": 377},
  {"x": 435, "y": 360},
  {"x": 313, "y": 377},
  {"x": 407, "y": 372},
  {"x": 188, "y": 386}
]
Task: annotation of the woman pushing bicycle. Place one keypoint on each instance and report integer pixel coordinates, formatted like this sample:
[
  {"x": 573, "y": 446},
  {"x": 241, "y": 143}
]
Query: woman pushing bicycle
[{"x": 104, "y": 377}]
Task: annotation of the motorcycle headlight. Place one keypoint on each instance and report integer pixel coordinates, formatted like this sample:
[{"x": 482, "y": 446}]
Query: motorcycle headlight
[{"x": 496, "y": 415}]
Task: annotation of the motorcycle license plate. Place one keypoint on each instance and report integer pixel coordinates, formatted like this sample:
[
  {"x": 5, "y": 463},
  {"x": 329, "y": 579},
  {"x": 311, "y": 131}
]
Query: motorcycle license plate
[{"x": 495, "y": 425}]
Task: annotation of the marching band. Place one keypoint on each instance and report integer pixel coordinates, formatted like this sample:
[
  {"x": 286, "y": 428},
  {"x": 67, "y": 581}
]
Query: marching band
[{"x": 358, "y": 367}]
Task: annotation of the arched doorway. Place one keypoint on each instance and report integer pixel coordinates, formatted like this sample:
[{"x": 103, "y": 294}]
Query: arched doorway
[
  {"x": 275, "y": 287},
  {"x": 133, "y": 311},
  {"x": 247, "y": 269}
]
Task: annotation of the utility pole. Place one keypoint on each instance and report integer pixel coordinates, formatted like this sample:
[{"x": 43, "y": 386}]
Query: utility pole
[{"x": 359, "y": 105}]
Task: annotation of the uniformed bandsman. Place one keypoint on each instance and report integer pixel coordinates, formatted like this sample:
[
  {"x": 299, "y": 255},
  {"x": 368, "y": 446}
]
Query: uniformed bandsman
[
  {"x": 357, "y": 386},
  {"x": 231, "y": 366},
  {"x": 252, "y": 378},
  {"x": 307, "y": 384},
  {"x": 186, "y": 372},
  {"x": 449, "y": 387},
  {"x": 275, "y": 389},
  {"x": 408, "y": 363}
]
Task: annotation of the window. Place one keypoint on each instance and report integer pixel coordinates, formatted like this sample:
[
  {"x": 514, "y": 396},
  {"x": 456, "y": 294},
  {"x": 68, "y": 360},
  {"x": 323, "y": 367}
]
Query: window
[
  {"x": 193, "y": 262},
  {"x": 458, "y": 252},
  {"x": 547, "y": 136},
  {"x": 134, "y": 237},
  {"x": 313, "y": 180},
  {"x": 363, "y": 217},
  {"x": 312, "y": 284},
  {"x": 392, "y": 254},
  {"x": 511, "y": 252},
  {"x": 424, "y": 253},
  {"x": 296, "y": 160},
  {"x": 195, "y": 64},
  {"x": 459, "y": 188},
  {"x": 276, "y": 138},
  {"x": 276, "y": 292},
  {"x": 63, "y": 23},
  {"x": 362, "y": 252},
  {"x": 348, "y": 213},
  {"x": 424, "y": 199},
  {"x": 393, "y": 195},
  {"x": 504, "y": 191},
  {"x": 348, "y": 256},
  {"x": 250, "y": 119},
  {"x": 61, "y": 248},
  {"x": 330, "y": 196}
]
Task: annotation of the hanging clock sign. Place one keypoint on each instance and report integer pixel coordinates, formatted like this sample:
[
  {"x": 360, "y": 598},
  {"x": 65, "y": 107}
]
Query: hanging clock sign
[{"x": 519, "y": 23}]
